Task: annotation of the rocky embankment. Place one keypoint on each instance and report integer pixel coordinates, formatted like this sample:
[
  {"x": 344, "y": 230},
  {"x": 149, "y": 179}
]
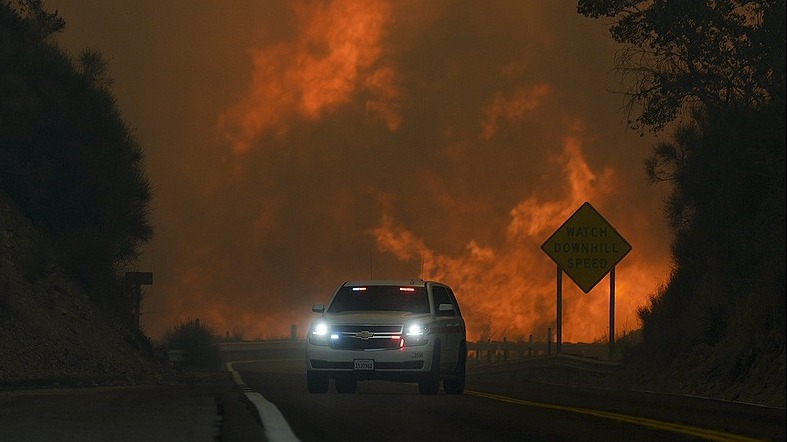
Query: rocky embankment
[{"x": 50, "y": 332}]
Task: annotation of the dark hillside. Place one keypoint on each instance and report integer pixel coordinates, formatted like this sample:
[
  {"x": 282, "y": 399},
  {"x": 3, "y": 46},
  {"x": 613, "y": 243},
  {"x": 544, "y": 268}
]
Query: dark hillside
[
  {"x": 49, "y": 329},
  {"x": 67, "y": 158},
  {"x": 73, "y": 212},
  {"x": 714, "y": 74}
]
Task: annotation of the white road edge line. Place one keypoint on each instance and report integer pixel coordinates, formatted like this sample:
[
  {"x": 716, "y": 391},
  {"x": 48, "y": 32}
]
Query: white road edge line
[{"x": 276, "y": 427}]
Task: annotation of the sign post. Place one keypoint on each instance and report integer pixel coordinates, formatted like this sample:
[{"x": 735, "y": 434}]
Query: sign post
[
  {"x": 138, "y": 279},
  {"x": 559, "y": 328},
  {"x": 586, "y": 247},
  {"x": 611, "y": 310}
]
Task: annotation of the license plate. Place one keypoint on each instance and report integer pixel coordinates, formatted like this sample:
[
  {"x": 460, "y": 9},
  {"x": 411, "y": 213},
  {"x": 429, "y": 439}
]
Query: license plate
[{"x": 363, "y": 364}]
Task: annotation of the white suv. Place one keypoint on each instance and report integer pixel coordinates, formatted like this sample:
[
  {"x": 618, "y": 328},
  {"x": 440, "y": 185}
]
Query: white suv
[{"x": 408, "y": 331}]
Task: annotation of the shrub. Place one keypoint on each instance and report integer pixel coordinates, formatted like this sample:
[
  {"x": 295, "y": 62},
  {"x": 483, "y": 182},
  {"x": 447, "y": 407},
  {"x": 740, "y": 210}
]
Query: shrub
[{"x": 197, "y": 341}]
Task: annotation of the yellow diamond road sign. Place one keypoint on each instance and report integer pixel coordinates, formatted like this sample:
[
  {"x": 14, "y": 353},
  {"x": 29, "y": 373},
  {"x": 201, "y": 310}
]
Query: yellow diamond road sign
[{"x": 586, "y": 247}]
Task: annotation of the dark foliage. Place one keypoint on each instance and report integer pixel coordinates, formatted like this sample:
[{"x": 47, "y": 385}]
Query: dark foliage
[
  {"x": 726, "y": 52},
  {"x": 67, "y": 158},
  {"x": 727, "y": 210},
  {"x": 197, "y": 341},
  {"x": 724, "y": 63}
]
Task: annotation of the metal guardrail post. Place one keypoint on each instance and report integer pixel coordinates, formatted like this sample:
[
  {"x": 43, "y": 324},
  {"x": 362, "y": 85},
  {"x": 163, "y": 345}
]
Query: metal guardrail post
[
  {"x": 549, "y": 341},
  {"x": 530, "y": 346}
]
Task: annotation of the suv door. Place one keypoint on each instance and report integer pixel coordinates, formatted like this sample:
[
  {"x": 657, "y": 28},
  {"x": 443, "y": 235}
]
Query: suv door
[
  {"x": 449, "y": 325},
  {"x": 457, "y": 330}
]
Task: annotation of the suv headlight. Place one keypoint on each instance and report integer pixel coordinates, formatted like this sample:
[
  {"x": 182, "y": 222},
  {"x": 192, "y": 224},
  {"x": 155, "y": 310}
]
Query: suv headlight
[
  {"x": 415, "y": 334},
  {"x": 320, "y": 332}
]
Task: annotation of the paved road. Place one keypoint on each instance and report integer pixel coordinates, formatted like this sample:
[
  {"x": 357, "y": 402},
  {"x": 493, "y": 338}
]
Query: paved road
[
  {"x": 204, "y": 411},
  {"x": 502, "y": 411},
  {"x": 493, "y": 408}
]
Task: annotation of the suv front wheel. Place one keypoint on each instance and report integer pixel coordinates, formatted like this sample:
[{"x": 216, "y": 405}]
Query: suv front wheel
[
  {"x": 431, "y": 383},
  {"x": 456, "y": 384}
]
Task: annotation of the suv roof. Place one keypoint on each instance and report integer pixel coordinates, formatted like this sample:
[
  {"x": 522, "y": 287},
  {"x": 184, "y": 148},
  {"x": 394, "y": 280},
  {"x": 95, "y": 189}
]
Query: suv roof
[{"x": 388, "y": 282}]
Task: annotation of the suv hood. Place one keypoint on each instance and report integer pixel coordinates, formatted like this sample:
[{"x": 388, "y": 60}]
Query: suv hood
[{"x": 374, "y": 317}]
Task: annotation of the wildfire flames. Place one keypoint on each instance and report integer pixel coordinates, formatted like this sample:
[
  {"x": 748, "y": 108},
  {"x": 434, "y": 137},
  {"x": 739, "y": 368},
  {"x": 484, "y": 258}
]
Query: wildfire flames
[
  {"x": 414, "y": 135},
  {"x": 511, "y": 291},
  {"x": 506, "y": 291},
  {"x": 334, "y": 55}
]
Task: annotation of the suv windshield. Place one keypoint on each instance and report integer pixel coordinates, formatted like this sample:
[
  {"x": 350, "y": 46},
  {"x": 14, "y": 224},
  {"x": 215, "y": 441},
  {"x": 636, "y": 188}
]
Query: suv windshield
[{"x": 386, "y": 298}]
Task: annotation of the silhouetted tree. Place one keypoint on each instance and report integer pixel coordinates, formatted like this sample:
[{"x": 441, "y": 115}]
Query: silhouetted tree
[
  {"x": 37, "y": 19},
  {"x": 719, "y": 69},
  {"x": 67, "y": 157},
  {"x": 677, "y": 53},
  {"x": 727, "y": 211}
]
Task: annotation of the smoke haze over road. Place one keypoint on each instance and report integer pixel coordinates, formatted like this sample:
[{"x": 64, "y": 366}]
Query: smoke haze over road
[{"x": 295, "y": 145}]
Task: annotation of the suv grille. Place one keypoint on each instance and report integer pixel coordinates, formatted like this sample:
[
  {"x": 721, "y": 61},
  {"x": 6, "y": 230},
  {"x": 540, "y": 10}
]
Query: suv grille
[{"x": 366, "y": 337}]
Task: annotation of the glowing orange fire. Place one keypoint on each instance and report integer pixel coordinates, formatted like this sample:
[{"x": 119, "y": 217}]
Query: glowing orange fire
[
  {"x": 333, "y": 57},
  {"x": 505, "y": 291},
  {"x": 337, "y": 58},
  {"x": 510, "y": 292}
]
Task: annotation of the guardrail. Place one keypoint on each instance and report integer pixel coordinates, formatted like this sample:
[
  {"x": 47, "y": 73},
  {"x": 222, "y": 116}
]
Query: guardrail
[
  {"x": 249, "y": 350},
  {"x": 502, "y": 351},
  {"x": 481, "y": 351}
]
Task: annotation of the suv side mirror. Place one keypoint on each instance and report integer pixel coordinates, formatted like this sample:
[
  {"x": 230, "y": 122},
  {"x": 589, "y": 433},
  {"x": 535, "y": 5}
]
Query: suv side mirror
[
  {"x": 318, "y": 308},
  {"x": 445, "y": 309}
]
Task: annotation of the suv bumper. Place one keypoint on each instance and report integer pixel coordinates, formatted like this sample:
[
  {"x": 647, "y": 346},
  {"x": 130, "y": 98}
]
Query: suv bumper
[{"x": 404, "y": 364}]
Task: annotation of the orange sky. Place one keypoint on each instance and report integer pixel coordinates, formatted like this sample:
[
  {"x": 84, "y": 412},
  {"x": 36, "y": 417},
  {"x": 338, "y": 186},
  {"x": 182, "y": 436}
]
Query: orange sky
[{"x": 295, "y": 145}]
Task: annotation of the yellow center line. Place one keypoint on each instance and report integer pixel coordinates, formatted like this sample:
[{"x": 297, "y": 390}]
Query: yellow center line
[{"x": 650, "y": 423}]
